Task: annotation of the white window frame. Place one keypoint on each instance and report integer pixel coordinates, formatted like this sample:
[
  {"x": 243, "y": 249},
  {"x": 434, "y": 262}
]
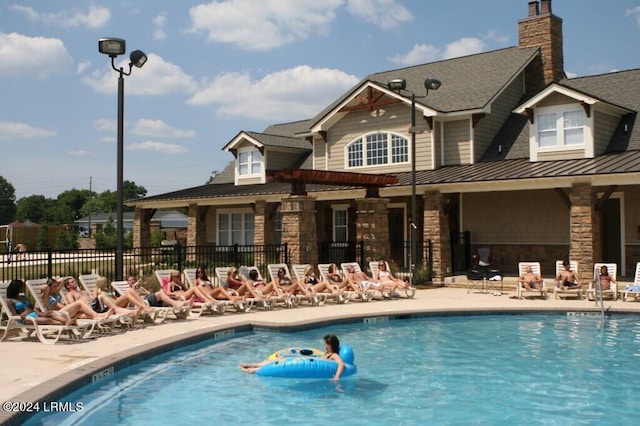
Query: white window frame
[
  {"x": 246, "y": 230},
  {"x": 560, "y": 130},
  {"x": 254, "y": 160},
  {"x": 363, "y": 156},
  {"x": 340, "y": 208}
]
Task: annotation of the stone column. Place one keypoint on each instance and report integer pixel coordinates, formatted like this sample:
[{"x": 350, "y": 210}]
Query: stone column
[
  {"x": 196, "y": 228},
  {"x": 436, "y": 229},
  {"x": 299, "y": 228},
  {"x": 141, "y": 227},
  {"x": 372, "y": 227},
  {"x": 585, "y": 229},
  {"x": 259, "y": 220}
]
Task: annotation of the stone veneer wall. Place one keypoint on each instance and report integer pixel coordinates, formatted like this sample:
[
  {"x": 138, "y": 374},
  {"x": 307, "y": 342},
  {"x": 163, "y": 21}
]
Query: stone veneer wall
[
  {"x": 196, "y": 228},
  {"x": 142, "y": 227},
  {"x": 372, "y": 227},
  {"x": 299, "y": 228},
  {"x": 585, "y": 229},
  {"x": 436, "y": 229}
]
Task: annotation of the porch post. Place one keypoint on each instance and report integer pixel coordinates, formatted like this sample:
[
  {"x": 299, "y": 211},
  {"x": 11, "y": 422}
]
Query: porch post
[
  {"x": 142, "y": 227},
  {"x": 372, "y": 227},
  {"x": 585, "y": 229},
  {"x": 436, "y": 229},
  {"x": 196, "y": 228},
  {"x": 299, "y": 228}
]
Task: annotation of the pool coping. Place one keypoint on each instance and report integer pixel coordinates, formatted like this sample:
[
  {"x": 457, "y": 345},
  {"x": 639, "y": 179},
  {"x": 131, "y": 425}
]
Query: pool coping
[{"x": 105, "y": 366}]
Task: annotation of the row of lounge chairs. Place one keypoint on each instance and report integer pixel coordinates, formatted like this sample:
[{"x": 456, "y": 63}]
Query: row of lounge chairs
[
  {"x": 589, "y": 290},
  {"x": 83, "y": 329}
]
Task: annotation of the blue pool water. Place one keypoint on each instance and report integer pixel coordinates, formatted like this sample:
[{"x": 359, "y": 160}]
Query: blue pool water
[{"x": 494, "y": 369}]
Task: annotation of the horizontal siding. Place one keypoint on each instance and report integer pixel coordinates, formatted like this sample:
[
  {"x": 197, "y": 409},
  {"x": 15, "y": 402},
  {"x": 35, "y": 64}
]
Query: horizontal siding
[
  {"x": 457, "y": 142},
  {"x": 396, "y": 119},
  {"x": 604, "y": 127},
  {"x": 568, "y": 154},
  {"x": 523, "y": 217},
  {"x": 318, "y": 154},
  {"x": 485, "y": 131}
]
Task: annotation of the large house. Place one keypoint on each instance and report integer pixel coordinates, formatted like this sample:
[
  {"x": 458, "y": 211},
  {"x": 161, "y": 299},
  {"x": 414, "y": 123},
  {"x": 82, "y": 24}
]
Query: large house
[{"x": 534, "y": 165}]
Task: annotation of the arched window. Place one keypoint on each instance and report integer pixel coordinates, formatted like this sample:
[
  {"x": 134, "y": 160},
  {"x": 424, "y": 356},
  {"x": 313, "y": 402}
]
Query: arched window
[{"x": 377, "y": 149}]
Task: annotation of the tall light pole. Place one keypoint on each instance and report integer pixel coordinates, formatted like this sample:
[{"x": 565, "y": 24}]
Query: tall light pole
[
  {"x": 400, "y": 85},
  {"x": 115, "y": 47}
]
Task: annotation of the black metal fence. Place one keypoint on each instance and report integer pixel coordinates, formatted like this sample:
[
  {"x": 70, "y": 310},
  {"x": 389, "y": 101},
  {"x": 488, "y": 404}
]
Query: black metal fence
[
  {"x": 341, "y": 252},
  {"x": 48, "y": 263}
]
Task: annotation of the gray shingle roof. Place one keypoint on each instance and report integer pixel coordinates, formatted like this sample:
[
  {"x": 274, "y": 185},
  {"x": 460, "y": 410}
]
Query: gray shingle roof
[
  {"x": 288, "y": 129},
  {"x": 280, "y": 141}
]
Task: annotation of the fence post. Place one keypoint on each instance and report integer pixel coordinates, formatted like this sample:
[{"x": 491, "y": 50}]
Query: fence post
[
  {"x": 362, "y": 255},
  {"x": 179, "y": 254},
  {"x": 286, "y": 253},
  {"x": 49, "y": 262},
  {"x": 430, "y": 261},
  {"x": 236, "y": 256}
]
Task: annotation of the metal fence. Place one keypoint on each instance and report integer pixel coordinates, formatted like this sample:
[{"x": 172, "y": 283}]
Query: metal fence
[{"x": 49, "y": 263}]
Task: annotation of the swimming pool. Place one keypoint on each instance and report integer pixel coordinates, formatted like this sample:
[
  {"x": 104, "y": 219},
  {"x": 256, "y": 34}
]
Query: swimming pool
[{"x": 493, "y": 369}]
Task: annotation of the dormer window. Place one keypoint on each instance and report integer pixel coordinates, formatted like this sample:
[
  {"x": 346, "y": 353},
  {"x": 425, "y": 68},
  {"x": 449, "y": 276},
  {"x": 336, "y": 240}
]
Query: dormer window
[
  {"x": 560, "y": 129},
  {"x": 377, "y": 149},
  {"x": 249, "y": 162}
]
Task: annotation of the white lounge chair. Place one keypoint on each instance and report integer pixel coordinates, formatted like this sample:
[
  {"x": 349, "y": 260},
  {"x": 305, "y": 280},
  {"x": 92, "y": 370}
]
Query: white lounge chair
[
  {"x": 632, "y": 289},
  {"x": 559, "y": 292},
  {"x": 157, "y": 315},
  {"x": 366, "y": 295},
  {"x": 612, "y": 292},
  {"x": 273, "y": 269},
  {"x": 408, "y": 290},
  {"x": 47, "y": 334},
  {"x": 299, "y": 271},
  {"x": 203, "y": 308},
  {"x": 163, "y": 276},
  {"x": 87, "y": 282},
  {"x": 521, "y": 291}
]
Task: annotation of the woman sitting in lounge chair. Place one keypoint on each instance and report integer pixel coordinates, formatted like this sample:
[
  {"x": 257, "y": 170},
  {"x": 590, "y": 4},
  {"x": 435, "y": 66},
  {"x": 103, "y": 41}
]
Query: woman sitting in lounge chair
[
  {"x": 175, "y": 289},
  {"x": 209, "y": 293},
  {"x": 360, "y": 281},
  {"x": 20, "y": 305},
  {"x": 605, "y": 278},
  {"x": 78, "y": 309},
  {"x": 283, "y": 282},
  {"x": 385, "y": 276},
  {"x": 311, "y": 282},
  {"x": 103, "y": 296},
  {"x": 158, "y": 299}
]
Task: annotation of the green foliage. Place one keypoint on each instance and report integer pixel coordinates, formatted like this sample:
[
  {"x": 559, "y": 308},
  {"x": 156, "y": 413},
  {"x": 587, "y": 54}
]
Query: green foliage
[
  {"x": 156, "y": 237},
  {"x": 7, "y": 201},
  {"x": 67, "y": 240},
  {"x": 42, "y": 238},
  {"x": 421, "y": 275},
  {"x": 34, "y": 208},
  {"x": 106, "y": 237}
]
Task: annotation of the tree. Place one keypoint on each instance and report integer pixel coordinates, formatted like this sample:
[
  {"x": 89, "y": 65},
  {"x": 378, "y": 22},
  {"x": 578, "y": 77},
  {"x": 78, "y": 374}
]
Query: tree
[
  {"x": 7, "y": 201},
  {"x": 34, "y": 208},
  {"x": 131, "y": 191},
  {"x": 73, "y": 200},
  {"x": 106, "y": 237}
]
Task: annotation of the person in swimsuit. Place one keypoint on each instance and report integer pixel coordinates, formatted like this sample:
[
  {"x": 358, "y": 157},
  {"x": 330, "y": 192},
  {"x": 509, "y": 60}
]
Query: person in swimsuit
[
  {"x": 20, "y": 305},
  {"x": 332, "y": 350},
  {"x": 284, "y": 283},
  {"x": 260, "y": 288},
  {"x": 311, "y": 282},
  {"x": 529, "y": 280},
  {"x": 568, "y": 279},
  {"x": 209, "y": 293},
  {"x": 78, "y": 309},
  {"x": 605, "y": 278},
  {"x": 158, "y": 299},
  {"x": 384, "y": 276}
]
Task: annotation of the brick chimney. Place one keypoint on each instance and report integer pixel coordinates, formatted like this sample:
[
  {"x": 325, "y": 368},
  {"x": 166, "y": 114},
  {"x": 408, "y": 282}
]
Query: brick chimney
[{"x": 544, "y": 30}]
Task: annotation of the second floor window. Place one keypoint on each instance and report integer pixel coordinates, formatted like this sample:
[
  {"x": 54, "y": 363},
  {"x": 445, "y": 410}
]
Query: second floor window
[
  {"x": 377, "y": 149},
  {"x": 560, "y": 129},
  {"x": 249, "y": 162}
]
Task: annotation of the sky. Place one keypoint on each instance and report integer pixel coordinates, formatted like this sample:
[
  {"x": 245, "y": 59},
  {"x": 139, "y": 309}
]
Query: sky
[{"x": 216, "y": 68}]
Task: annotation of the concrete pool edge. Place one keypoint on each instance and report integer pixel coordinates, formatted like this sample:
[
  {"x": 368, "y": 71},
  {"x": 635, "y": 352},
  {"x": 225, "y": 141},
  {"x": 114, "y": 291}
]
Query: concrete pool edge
[{"x": 67, "y": 381}]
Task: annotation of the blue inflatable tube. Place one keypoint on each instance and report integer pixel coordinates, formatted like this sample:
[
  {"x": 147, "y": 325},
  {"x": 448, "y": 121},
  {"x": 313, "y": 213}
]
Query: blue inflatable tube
[{"x": 308, "y": 366}]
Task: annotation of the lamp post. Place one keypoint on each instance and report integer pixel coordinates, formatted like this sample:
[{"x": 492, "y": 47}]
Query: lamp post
[
  {"x": 115, "y": 47},
  {"x": 399, "y": 85}
]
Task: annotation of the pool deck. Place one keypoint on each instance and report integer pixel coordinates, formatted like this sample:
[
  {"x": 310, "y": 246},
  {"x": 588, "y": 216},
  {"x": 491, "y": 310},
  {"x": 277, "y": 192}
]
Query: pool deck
[{"x": 30, "y": 370}]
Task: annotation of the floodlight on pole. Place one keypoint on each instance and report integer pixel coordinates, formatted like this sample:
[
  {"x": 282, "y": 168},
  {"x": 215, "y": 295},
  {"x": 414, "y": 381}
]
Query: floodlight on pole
[{"x": 114, "y": 47}]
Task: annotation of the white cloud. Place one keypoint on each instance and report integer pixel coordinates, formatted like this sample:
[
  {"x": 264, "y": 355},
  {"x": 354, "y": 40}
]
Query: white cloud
[
  {"x": 159, "y": 23},
  {"x": 423, "y": 53},
  {"x": 295, "y": 93},
  {"x": 387, "y": 14},
  {"x": 464, "y": 46},
  {"x": 157, "y": 77},
  {"x": 22, "y": 55},
  {"x": 107, "y": 125},
  {"x": 78, "y": 153},
  {"x": 635, "y": 12},
  {"x": 13, "y": 130},
  {"x": 96, "y": 17},
  {"x": 159, "y": 129},
  {"x": 262, "y": 24},
  {"x": 82, "y": 66},
  {"x": 420, "y": 53},
  {"x": 495, "y": 36},
  {"x": 167, "y": 148}
]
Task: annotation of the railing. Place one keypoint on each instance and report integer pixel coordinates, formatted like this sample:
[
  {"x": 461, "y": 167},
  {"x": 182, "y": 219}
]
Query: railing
[
  {"x": 338, "y": 253},
  {"x": 48, "y": 263}
]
